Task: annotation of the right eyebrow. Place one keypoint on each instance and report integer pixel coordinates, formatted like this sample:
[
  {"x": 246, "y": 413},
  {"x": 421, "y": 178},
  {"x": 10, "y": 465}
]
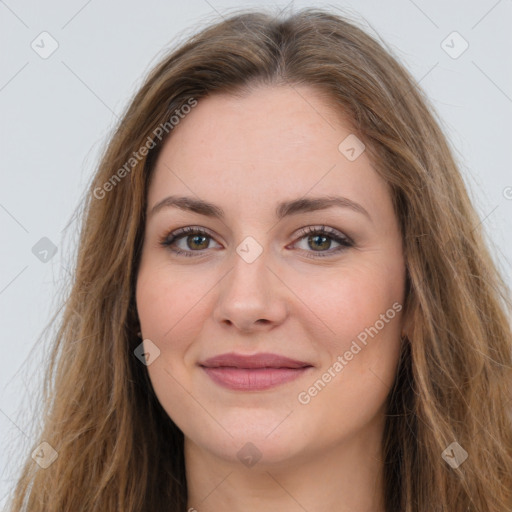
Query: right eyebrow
[{"x": 189, "y": 204}]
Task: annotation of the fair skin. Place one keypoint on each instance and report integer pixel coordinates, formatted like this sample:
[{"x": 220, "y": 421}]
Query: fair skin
[{"x": 246, "y": 155}]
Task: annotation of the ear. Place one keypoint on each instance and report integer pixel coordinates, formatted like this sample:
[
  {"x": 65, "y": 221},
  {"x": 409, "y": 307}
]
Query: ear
[{"x": 406, "y": 322}]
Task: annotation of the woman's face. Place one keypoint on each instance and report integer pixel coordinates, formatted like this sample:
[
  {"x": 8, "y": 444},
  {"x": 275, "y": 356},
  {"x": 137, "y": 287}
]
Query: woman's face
[{"x": 254, "y": 280}]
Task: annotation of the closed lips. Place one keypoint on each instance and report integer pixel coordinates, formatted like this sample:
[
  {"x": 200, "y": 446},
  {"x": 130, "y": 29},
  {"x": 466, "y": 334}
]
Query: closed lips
[{"x": 253, "y": 373}]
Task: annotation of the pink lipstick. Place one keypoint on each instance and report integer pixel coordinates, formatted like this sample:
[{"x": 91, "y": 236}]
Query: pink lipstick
[{"x": 253, "y": 373}]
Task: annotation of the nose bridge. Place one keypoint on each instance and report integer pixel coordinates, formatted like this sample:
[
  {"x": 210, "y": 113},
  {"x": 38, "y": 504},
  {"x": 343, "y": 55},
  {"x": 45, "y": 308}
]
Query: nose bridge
[
  {"x": 249, "y": 274},
  {"x": 250, "y": 291}
]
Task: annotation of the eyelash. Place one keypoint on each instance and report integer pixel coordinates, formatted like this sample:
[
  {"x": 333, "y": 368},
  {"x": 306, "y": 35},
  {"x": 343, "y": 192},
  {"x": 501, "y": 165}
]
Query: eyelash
[{"x": 169, "y": 239}]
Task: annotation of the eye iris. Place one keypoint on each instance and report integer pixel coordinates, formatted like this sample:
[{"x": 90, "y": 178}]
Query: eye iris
[
  {"x": 325, "y": 239},
  {"x": 195, "y": 238}
]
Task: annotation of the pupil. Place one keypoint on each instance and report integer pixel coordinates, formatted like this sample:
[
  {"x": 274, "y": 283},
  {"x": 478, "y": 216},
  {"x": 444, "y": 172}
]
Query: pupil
[
  {"x": 324, "y": 238},
  {"x": 198, "y": 237}
]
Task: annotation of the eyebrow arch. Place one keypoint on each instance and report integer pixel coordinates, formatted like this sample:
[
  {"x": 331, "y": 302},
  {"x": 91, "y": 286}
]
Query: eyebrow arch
[{"x": 284, "y": 209}]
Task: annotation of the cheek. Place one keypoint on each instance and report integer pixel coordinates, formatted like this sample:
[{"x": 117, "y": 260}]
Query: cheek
[
  {"x": 354, "y": 299},
  {"x": 363, "y": 311},
  {"x": 162, "y": 308},
  {"x": 173, "y": 305},
  {"x": 366, "y": 303},
  {"x": 167, "y": 307},
  {"x": 166, "y": 300}
]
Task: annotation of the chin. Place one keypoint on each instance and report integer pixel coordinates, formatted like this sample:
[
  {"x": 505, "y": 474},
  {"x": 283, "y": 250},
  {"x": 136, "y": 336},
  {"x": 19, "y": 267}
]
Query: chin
[
  {"x": 257, "y": 452},
  {"x": 263, "y": 441}
]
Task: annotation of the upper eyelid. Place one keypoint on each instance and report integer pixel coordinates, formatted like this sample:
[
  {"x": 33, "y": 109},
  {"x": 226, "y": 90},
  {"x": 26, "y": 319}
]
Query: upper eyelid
[
  {"x": 321, "y": 228},
  {"x": 189, "y": 230}
]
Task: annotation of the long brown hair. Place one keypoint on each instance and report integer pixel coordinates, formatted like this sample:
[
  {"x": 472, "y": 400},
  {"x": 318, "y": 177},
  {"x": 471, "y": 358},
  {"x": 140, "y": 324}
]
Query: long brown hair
[{"x": 119, "y": 450}]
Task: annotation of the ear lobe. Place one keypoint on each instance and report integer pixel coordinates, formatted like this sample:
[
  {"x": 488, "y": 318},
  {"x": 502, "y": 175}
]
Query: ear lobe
[{"x": 406, "y": 324}]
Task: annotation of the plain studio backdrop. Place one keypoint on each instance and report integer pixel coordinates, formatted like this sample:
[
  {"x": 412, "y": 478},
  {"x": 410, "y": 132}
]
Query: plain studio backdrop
[{"x": 68, "y": 70}]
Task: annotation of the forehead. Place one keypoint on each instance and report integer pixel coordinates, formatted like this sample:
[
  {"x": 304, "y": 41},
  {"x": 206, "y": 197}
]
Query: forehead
[{"x": 269, "y": 144}]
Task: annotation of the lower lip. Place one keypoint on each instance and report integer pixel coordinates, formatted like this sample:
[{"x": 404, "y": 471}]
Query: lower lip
[{"x": 254, "y": 379}]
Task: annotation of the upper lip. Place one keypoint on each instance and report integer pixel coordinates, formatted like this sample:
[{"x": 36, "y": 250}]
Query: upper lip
[{"x": 262, "y": 360}]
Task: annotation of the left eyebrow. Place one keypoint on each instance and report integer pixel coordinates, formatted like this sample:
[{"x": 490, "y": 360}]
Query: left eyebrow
[
  {"x": 284, "y": 209},
  {"x": 317, "y": 203}
]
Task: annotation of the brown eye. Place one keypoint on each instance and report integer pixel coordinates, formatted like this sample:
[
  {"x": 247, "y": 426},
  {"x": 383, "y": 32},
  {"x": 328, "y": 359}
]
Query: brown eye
[
  {"x": 320, "y": 239},
  {"x": 196, "y": 240}
]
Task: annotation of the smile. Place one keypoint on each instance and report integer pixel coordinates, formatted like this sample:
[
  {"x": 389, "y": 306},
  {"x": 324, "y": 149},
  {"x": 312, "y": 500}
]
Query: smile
[{"x": 253, "y": 373}]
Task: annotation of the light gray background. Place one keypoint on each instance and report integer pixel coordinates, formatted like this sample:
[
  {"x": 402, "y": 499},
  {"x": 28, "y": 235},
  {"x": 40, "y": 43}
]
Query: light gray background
[{"x": 56, "y": 114}]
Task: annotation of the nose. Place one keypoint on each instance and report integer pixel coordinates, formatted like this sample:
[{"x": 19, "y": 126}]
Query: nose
[{"x": 251, "y": 296}]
